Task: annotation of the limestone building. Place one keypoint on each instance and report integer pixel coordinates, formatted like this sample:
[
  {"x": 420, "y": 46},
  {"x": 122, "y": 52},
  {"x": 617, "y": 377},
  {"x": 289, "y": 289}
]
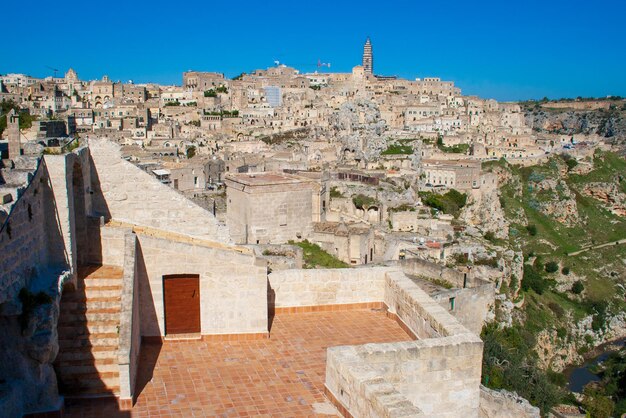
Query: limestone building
[
  {"x": 269, "y": 207},
  {"x": 459, "y": 174}
]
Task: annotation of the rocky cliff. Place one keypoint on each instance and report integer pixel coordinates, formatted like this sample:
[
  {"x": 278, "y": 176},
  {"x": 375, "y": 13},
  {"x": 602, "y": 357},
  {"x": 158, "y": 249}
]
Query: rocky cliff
[{"x": 609, "y": 122}]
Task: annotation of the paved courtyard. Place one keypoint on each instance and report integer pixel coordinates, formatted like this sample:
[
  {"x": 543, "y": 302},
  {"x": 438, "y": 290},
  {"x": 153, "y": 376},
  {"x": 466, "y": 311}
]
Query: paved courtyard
[{"x": 279, "y": 377}]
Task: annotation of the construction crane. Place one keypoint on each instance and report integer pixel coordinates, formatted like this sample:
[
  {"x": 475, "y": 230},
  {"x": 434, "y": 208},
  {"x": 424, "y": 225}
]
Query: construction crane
[
  {"x": 322, "y": 64},
  {"x": 53, "y": 69}
]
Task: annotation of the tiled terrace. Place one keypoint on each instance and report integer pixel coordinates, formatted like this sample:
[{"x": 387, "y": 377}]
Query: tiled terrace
[{"x": 280, "y": 376}]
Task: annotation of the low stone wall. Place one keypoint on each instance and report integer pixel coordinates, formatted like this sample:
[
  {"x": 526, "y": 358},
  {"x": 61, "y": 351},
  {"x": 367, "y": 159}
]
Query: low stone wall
[
  {"x": 429, "y": 270},
  {"x": 504, "y": 404},
  {"x": 130, "y": 320},
  {"x": 436, "y": 376},
  {"x": 318, "y": 287},
  {"x": 107, "y": 244},
  {"x": 471, "y": 305}
]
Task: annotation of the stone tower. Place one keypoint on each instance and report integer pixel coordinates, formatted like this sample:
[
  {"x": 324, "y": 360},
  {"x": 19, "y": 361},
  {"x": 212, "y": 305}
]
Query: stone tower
[
  {"x": 13, "y": 134},
  {"x": 368, "y": 57}
]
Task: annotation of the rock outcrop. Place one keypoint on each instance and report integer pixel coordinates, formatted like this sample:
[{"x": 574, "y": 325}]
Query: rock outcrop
[
  {"x": 610, "y": 194},
  {"x": 359, "y": 129},
  {"x": 505, "y": 404}
]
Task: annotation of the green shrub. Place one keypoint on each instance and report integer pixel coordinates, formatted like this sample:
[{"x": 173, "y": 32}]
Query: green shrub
[
  {"x": 335, "y": 193},
  {"x": 533, "y": 280},
  {"x": 489, "y": 236},
  {"x": 552, "y": 267},
  {"x": 578, "y": 287},
  {"x": 565, "y": 270},
  {"x": 556, "y": 308},
  {"x": 362, "y": 201},
  {"x": 532, "y": 229},
  {"x": 450, "y": 203}
]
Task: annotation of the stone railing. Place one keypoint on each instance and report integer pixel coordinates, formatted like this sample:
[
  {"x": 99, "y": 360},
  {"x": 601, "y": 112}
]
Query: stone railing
[
  {"x": 437, "y": 375},
  {"x": 129, "y": 332}
]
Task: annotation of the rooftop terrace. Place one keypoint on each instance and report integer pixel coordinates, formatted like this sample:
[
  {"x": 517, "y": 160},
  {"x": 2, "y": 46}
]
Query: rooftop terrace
[{"x": 280, "y": 376}]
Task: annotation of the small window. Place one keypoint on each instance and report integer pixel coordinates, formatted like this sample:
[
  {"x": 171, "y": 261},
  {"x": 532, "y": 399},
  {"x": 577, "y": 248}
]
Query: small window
[{"x": 451, "y": 303}]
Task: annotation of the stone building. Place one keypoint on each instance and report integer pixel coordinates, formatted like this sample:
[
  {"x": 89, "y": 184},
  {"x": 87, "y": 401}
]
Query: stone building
[
  {"x": 351, "y": 243},
  {"x": 462, "y": 175},
  {"x": 269, "y": 207}
]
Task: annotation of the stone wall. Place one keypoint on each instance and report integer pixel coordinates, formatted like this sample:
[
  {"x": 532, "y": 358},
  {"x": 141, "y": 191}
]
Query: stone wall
[
  {"x": 473, "y": 296},
  {"x": 126, "y": 193},
  {"x": 471, "y": 306},
  {"x": 315, "y": 287},
  {"x": 31, "y": 243},
  {"x": 436, "y": 376},
  {"x": 130, "y": 318},
  {"x": 233, "y": 285}
]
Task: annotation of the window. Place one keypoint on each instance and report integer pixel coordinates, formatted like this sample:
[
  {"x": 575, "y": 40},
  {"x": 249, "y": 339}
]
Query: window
[{"x": 451, "y": 300}]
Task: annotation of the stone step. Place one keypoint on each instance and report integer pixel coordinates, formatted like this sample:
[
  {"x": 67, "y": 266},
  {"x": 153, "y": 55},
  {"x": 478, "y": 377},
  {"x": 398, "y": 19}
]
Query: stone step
[
  {"x": 89, "y": 340},
  {"x": 87, "y": 353},
  {"x": 93, "y": 383},
  {"x": 95, "y": 305},
  {"x": 69, "y": 318},
  {"x": 82, "y": 367},
  {"x": 94, "y": 293},
  {"x": 88, "y": 328},
  {"x": 101, "y": 282}
]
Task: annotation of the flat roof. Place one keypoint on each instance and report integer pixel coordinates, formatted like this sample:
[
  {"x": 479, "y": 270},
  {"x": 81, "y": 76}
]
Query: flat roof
[{"x": 266, "y": 178}]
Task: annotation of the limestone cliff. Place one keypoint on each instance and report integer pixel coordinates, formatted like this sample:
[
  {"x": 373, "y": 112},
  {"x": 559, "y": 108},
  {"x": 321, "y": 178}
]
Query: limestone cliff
[{"x": 359, "y": 128}]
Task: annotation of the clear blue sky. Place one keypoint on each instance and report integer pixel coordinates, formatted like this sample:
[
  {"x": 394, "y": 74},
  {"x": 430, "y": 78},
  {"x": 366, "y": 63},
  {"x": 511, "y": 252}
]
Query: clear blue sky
[{"x": 503, "y": 49}]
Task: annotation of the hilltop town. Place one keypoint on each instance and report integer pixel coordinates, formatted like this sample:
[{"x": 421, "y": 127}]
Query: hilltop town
[{"x": 463, "y": 228}]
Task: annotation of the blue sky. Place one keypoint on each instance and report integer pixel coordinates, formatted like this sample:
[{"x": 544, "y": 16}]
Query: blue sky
[{"x": 501, "y": 49}]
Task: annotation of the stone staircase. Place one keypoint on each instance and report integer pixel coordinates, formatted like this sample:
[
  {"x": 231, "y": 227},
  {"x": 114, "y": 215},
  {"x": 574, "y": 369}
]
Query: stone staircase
[{"x": 89, "y": 320}]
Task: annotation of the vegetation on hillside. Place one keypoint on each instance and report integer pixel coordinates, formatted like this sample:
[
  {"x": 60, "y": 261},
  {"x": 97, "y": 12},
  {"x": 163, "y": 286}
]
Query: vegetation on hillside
[
  {"x": 362, "y": 201},
  {"x": 26, "y": 119},
  {"x": 596, "y": 290},
  {"x": 449, "y": 203},
  {"x": 397, "y": 149},
  {"x": 315, "y": 257}
]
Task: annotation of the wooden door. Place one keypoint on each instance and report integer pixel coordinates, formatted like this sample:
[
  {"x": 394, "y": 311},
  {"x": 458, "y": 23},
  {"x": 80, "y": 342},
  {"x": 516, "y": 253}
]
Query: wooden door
[{"x": 182, "y": 303}]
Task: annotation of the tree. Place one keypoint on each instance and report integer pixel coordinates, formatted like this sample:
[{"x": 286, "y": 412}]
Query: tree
[
  {"x": 578, "y": 287},
  {"x": 596, "y": 404},
  {"x": 552, "y": 267},
  {"x": 191, "y": 151}
]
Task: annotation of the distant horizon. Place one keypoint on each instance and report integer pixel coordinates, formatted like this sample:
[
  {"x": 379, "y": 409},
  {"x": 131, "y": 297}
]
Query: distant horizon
[
  {"x": 491, "y": 49},
  {"x": 61, "y": 73}
]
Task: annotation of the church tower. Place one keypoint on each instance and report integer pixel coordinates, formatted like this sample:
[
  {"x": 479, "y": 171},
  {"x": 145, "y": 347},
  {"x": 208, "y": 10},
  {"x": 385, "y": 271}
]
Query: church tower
[{"x": 368, "y": 57}]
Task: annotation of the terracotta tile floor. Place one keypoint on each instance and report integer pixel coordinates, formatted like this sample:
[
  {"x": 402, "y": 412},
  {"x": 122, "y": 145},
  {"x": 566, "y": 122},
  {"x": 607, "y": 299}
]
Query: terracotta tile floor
[{"x": 280, "y": 376}]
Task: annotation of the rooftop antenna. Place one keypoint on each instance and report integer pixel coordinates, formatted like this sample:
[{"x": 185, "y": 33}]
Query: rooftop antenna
[{"x": 53, "y": 69}]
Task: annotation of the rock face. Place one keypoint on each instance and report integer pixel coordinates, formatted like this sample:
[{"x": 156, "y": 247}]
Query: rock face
[
  {"x": 504, "y": 404},
  {"x": 604, "y": 122},
  {"x": 483, "y": 210},
  {"x": 359, "y": 129},
  {"x": 28, "y": 337},
  {"x": 556, "y": 200},
  {"x": 610, "y": 194},
  {"x": 557, "y": 354}
]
